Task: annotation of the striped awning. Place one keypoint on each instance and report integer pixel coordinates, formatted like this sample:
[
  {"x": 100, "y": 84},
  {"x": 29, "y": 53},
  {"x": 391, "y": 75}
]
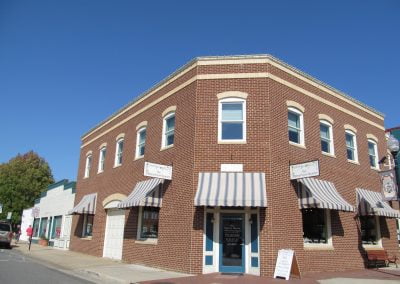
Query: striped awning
[
  {"x": 145, "y": 193},
  {"x": 87, "y": 205},
  {"x": 372, "y": 203},
  {"x": 316, "y": 193},
  {"x": 231, "y": 189}
]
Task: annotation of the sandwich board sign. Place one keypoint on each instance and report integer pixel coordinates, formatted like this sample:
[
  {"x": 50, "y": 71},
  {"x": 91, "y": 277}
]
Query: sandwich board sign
[{"x": 286, "y": 264}]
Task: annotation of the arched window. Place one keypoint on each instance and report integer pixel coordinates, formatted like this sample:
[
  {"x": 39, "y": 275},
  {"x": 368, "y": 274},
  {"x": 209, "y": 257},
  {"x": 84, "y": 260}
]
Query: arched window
[
  {"x": 295, "y": 126},
  {"x": 351, "y": 146},
  {"x": 232, "y": 120},
  {"x": 168, "y": 130},
  {"x": 140, "y": 142},
  {"x": 326, "y": 135}
]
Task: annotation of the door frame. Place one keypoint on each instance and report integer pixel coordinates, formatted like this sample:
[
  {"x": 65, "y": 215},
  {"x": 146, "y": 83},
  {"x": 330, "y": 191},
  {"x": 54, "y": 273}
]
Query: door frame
[{"x": 106, "y": 231}]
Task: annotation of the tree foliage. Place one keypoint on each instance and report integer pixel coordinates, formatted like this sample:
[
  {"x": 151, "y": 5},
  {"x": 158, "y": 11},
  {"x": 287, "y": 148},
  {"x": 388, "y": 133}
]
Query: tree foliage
[{"x": 22, "y": 180}]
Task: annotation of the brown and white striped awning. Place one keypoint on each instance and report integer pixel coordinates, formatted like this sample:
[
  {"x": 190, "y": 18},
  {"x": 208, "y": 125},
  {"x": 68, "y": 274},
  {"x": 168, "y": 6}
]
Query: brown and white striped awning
[
  {"x": 87, "y": 205},
  {"x": 231, "y": 189},
  {"x": 316, "y": 193},
  {"x": 372, "y": 203},
  {"x": 145, "y": 193}
]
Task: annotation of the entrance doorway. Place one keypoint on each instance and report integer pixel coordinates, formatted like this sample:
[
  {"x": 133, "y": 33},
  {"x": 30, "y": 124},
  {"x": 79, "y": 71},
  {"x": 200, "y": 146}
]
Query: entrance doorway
[
  {"x": 114, "y": 235},
  {"x": 232, "y": 253}
]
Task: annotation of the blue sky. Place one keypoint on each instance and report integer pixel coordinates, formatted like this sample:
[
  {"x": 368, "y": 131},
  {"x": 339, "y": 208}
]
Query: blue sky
[{"x": 67, "y": 65}]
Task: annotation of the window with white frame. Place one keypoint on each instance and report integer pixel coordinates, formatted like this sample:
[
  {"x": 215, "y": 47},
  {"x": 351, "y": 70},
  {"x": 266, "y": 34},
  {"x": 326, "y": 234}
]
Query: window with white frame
[
  {"x": 118, "y": 152},
  {"x": 370, "y": 233},
  {"x": 351, "y": 146},
  {"x": 316, "y": 224},
  {"x": 88, "y": 165},
  {"x": 232, "y": 120},
  {"x": 326, "y": 134},
  {"x": 140, "y": 142},
  {"x": 373, "y": 154},
  {"x": 102, "y": 158},
  {"x": 168, "y": 130},
  {"x": 295, "y": 126},
  {"x": 148, "y": 222},
  {"x": 87, "y": 228}
]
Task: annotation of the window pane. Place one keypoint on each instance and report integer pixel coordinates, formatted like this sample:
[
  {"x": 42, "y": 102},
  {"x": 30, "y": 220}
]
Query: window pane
[
  {"x": 88, "y": 226},
  {"x": 142, "y": 136},
  {"x": 372, "y": 161},
  {"x": 369, "y": 234},
  {"x": 232, "y": 131},
  {"x": 294, "y": 136},
  {"x": 314, "y": 226},
  {"x": 350, "y": 154},
  {"x": 170, "y": 139},
  {"x": 325, "y": 147},
  {"x": 149, "y": 228},
  {"x": 324, "y": 131},
  {"x": 294, "y": 120},
  {"x": 232, "y": 111},
  {"x": 349, "y": 140},
  {"x": 170, "y": 123},
  {"x": 371, "y": 148}
]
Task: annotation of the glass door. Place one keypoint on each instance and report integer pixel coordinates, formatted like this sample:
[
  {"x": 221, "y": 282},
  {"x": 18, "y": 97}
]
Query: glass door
[{"x": 232, "y": 243}]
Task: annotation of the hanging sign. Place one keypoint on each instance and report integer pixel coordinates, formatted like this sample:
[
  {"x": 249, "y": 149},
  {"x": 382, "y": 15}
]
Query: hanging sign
[
  {"x": 389, "y": 184},
  {"x": 35, "y": 212},
  {"x": 9, "y": 215},
  {"x": 1, "y": 208},
  {"x": 303, "y": 170},
  {"x": 157, "y": 171}
]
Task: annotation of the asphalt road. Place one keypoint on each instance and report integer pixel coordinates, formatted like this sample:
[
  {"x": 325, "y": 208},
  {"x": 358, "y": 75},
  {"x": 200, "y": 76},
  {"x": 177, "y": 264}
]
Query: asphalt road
[{"x": 16, "y": 268}]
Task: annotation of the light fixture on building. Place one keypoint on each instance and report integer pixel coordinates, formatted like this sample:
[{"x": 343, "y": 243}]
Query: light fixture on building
[{"x": 393, "y": 145}]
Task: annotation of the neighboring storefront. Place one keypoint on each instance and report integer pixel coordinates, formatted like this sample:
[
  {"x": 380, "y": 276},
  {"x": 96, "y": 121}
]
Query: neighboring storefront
[
  {"x": 229, "y": 160},
  {"x": 52, "y": 221}
]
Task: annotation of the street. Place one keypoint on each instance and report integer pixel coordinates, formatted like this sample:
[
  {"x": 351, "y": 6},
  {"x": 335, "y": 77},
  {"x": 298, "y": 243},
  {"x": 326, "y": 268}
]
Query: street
[{"x": 16, "y": 268}]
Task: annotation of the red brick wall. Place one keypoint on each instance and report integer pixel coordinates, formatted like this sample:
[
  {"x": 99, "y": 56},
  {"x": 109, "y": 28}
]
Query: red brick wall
[{"x": 267, "y": 150}]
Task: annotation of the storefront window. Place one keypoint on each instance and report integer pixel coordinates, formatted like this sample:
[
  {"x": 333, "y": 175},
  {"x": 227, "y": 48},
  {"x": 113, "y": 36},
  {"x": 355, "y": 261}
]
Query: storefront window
[
  {"x": 87, "y": 225},
  {"x": 56, "y": 229},
  {"x": 43, "y": 228},
  {"x": 315, "y": 226},
  {"x": 36, "y": 223},
  {"x": 369, "y": 230},
  {"x": 149, "y": 223}
]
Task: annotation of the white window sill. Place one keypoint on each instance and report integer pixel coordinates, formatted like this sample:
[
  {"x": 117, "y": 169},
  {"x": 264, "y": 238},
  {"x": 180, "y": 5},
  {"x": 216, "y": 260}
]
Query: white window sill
[
  {"x": 232, "y": 142},
  {"x": 116, "y": 166},
  {"x": 138, "y": 158},
  {"x": 375, "y": 169},
  {"x": 85, "y": 177},
  {"x": 328, "y": 155},
  {"x": 166, "y": 147},
  {"x": 99, "y": 172},
  {"x": 297, "y": 145},
  {"x": 308, "y": 246},
  {"x": 147, "y": 241},
  {"x": 373, "y": 247},
  {"x": 353, "y": 162},
  {"x": 86, "y": 238}
]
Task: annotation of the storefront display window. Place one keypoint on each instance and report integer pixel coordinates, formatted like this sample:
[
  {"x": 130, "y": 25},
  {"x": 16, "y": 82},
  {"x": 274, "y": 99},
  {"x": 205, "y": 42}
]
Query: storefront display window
[
  {"x": 56, "y": 228},
  {"x": 43, "y": 228},
  {"x": 369, "y": 230},
  {"x": 149, "y": 223},
  {"x": 315, "y": 229},
  {"x": 87, "y": 225},
  {"x": 36, "y": 223}
]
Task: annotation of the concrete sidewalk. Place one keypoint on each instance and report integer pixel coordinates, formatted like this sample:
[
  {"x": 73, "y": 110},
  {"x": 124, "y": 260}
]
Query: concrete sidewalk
[{"x": 96, "y": 269}]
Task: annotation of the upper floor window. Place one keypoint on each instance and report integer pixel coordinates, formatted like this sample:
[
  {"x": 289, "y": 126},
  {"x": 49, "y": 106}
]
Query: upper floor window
[
  {"x": 88, "y": 165},
  {"x": 140, "y": 142},
  {"x": 232, "y": 119},
  {"x": 351, "y": 146},
  {"x": 168, "y": 130},
  {"x": 118, "y": 152},
  {"x": 373, "y": 154},
  {"x": 326, "y": 133},
  {"x": 295, "y": 126},
  {"x": 102, "y": 157}
]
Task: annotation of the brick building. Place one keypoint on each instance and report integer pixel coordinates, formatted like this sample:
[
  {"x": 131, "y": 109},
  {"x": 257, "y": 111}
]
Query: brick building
[{"x": 230, "y": 127}]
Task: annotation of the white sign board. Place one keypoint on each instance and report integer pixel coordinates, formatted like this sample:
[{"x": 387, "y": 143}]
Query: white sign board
[
  {"x": 284, "y": 263},
  {"x": 232, "y": 168},
  {"x": 303, "y": 170},
  {"x": 157, "y": 171},
  {"x": 35, "y": 212},
  {"x": 9, "y": 215},
  {"x": 1, "y": 208}
]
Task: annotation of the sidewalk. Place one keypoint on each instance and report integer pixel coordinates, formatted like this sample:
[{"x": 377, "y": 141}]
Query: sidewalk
[
  {"x": 102, "y": 270},
  {"x": 97, "y": 269}
]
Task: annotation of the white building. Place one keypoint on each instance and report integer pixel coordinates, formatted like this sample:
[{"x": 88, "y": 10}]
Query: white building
[
  {"x": 26, "y": 220},
  {"x": 53, "y": 221}
]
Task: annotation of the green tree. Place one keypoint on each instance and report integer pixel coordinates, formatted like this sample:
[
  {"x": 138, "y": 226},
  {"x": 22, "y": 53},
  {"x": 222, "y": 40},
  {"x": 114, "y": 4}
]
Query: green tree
[{"x": 22, "y": 180}]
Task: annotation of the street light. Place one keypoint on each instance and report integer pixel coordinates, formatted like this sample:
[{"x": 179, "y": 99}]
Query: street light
[{"x": 393, "y": 146}]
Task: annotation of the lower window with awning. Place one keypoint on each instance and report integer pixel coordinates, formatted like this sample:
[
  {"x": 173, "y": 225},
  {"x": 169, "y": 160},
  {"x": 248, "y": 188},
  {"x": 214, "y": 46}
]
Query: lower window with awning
[
  {"x": 231, "y": 189},
  {"x": 371, "y": 206},
  {"x": 87, "y": 208},
  {"x": 316, "y": 199},
  {"x": 147, "y": 195}
]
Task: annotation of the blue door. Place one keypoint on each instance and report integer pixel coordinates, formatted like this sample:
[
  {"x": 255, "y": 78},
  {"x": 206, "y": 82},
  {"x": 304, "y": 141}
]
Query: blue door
[{"x": 232, "y": 243}]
